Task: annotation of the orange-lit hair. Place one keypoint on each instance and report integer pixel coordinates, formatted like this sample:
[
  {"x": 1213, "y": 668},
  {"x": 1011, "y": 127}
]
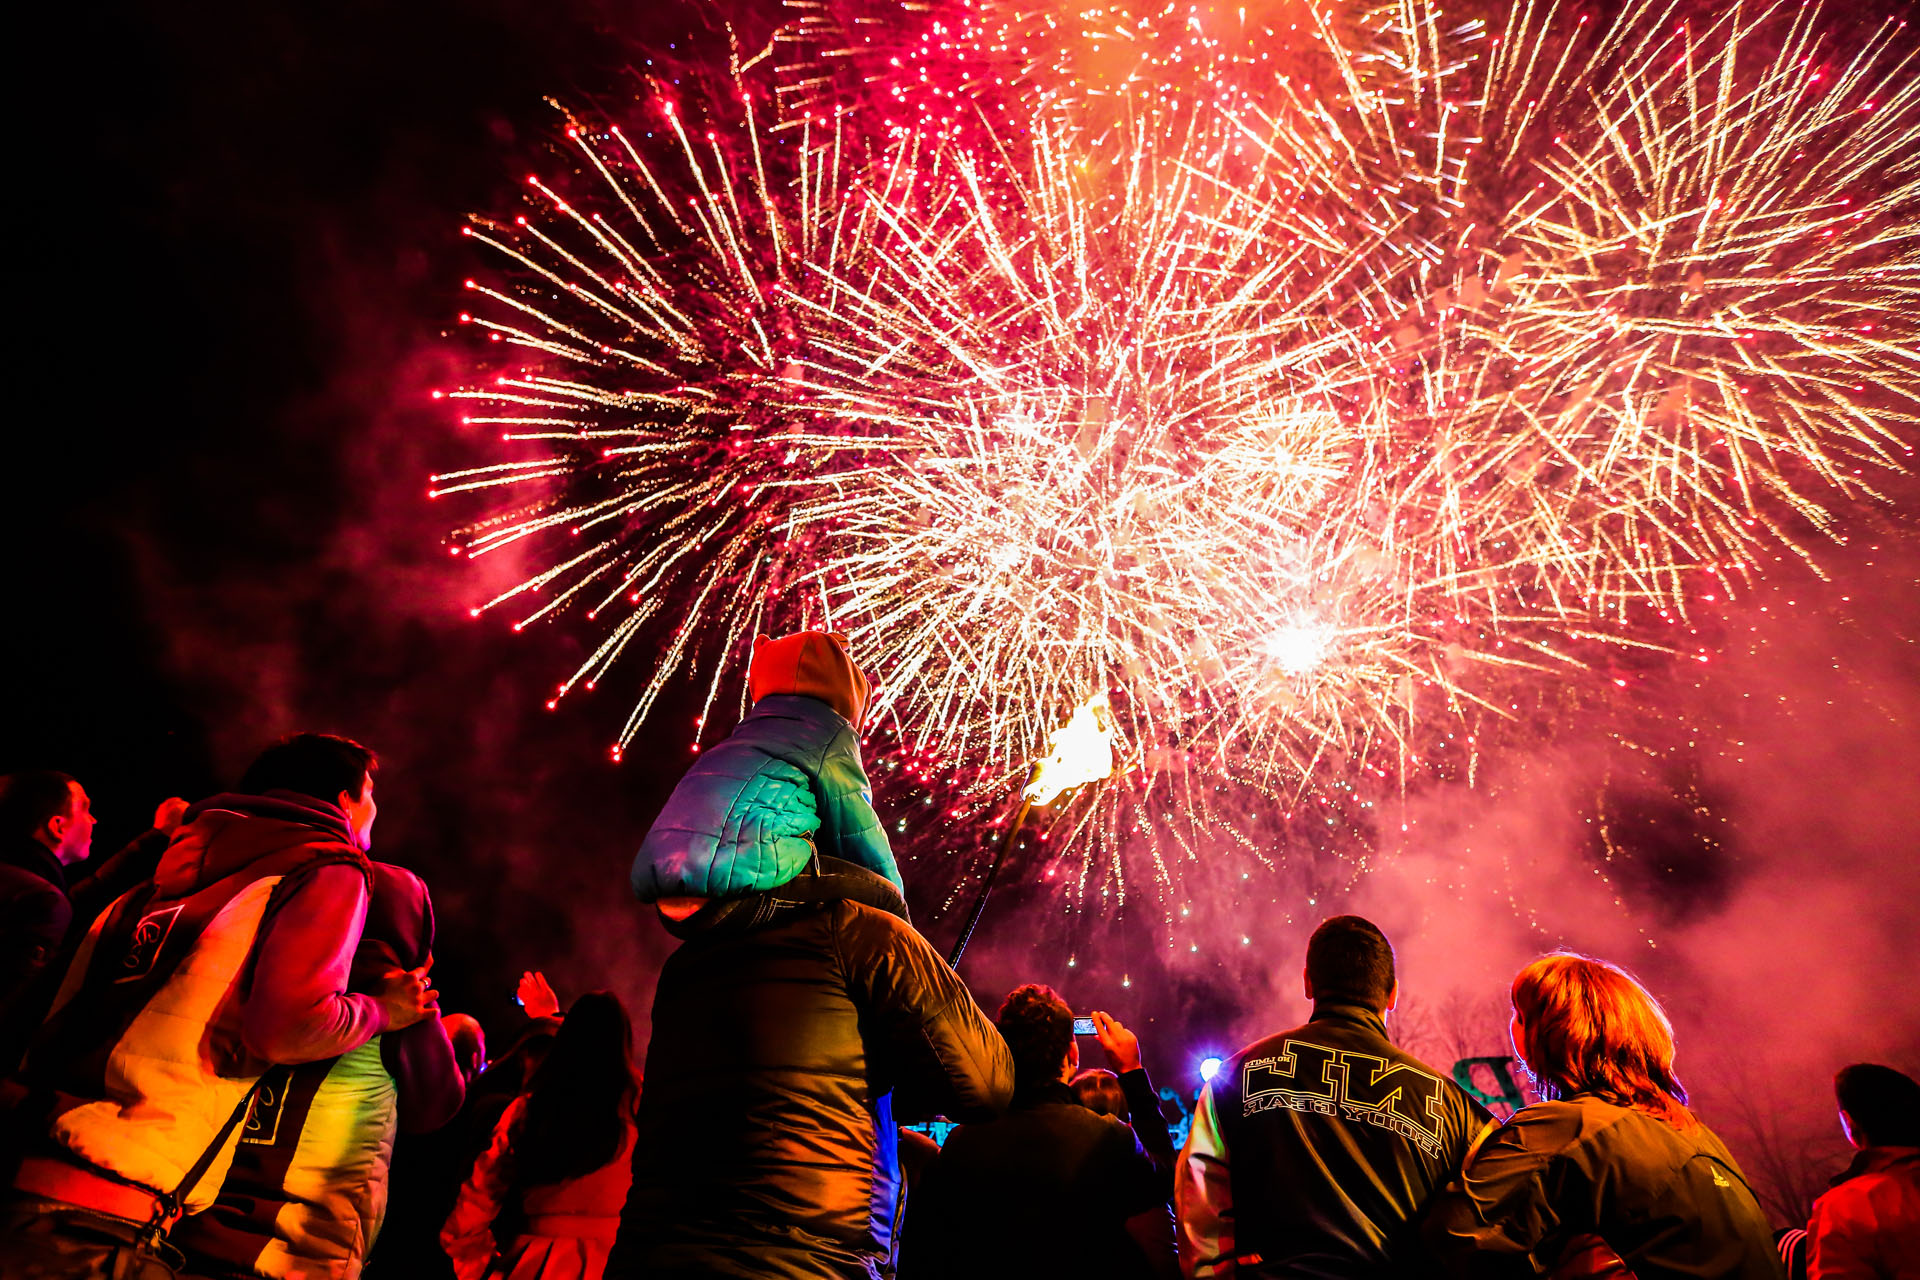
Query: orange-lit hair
[{"x": 1587, "y": 1027}]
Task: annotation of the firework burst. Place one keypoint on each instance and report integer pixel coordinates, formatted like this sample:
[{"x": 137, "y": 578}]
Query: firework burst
[{"x": 1309, "y": 408}]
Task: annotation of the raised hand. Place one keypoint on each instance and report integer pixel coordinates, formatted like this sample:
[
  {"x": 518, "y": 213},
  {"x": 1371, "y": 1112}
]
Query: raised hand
[
  {"x": 1122, "y": 1046},
  {"x": 167, "y": 817},
  {"x": 535, "y": 996}
]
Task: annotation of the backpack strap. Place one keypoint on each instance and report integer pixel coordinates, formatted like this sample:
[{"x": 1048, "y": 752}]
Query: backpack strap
[{"x": 166, "y": 1206}]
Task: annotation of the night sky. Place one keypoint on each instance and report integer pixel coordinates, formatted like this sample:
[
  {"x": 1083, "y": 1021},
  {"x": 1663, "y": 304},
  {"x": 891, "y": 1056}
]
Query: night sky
[
  {"x": 242, "y": 256},
  {"x": 242, "y": 259}
]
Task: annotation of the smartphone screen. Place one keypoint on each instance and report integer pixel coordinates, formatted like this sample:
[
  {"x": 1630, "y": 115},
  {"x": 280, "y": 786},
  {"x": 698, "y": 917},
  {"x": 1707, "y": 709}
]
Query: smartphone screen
[{"x": 1084, "y": 1027}]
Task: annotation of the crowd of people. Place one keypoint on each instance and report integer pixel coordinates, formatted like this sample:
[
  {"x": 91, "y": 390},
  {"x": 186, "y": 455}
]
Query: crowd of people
[{"x": 225, "y": 1058}]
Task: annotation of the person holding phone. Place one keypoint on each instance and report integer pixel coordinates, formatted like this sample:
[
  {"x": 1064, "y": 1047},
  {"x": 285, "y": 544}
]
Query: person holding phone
[
  {"x": 1049, "y": 1188},
  {"x": 1124, "y": 1091}
]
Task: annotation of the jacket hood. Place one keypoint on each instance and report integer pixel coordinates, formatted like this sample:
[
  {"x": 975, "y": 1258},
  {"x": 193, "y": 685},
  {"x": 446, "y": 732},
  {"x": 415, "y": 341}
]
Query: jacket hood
[
  {"x": 814, "y": 664},
  {"x": 826, "y": 881},
  {"x": 225, "y": 833},
  {"x": 1877, "y": 1160}
]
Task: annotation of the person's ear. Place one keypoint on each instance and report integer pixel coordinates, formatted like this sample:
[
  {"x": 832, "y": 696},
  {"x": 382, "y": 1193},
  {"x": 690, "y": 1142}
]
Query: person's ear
[
  {"x": 1393, "y": 997},
  {"x": 759, "y": 640},
  {"x": 56, "y": 826},
  {"x": 1306, "y": 983},
  {"x": 838, "y": 637}
]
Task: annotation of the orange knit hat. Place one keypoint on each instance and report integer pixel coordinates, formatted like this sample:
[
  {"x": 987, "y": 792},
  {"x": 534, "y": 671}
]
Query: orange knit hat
[{"x": 812, "y": 663}]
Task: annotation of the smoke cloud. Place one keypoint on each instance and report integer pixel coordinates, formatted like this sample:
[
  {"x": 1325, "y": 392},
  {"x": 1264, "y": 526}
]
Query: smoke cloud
[{"x": 1740, "y": 834}]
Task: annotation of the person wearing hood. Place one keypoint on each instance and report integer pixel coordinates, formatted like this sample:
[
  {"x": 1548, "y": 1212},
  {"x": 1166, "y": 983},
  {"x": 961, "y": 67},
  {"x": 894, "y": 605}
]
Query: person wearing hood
[
  {"x": 799, "y": 1003},
  {"x": 306, "y": 1194},
  {"x": 235, "y": 957}
]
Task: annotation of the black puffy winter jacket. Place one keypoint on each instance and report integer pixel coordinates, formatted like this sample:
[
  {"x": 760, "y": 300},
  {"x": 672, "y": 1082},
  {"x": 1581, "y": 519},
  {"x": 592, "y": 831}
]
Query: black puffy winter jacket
[{"x": 782, "y": 1028}]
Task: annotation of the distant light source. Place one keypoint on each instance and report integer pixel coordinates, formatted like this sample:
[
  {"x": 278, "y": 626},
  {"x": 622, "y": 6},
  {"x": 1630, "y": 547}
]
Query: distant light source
[{"x": 1208, "y": 1067}]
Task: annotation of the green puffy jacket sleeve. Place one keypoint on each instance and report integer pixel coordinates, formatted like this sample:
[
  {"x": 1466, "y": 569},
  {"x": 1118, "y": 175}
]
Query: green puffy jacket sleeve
[{"x": 849, "y": 827}]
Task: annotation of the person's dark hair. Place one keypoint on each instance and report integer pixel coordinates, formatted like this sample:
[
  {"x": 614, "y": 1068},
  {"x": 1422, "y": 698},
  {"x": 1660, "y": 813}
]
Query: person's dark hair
[
  {"x": 28, "y": 799},
  {"x": 509, "y": 1074},
  {"x": 1038, "y": 1028},
  {"x": 1349, "y": 958},
  {"x": 1884, "y": 1104},
  {"x": 1099, "y": 1091},
  {"x": 321, "y": 765},
  {"x": 581, "y": 1097}
]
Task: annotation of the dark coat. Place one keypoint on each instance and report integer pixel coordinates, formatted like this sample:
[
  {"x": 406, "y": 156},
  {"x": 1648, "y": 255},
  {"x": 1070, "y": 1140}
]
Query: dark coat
[
  {"x": 781, "y": 1029},
  {"x": 34, "y": 916},
  {"x": 44, "y": 913},
  {"x": 1670, "y": 1201},
  {"x": 1044, "y": 1191}
]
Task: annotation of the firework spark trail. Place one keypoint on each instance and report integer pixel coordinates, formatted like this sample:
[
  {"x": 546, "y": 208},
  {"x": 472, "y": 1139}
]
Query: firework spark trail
[{"x": 1310, "y": 404}]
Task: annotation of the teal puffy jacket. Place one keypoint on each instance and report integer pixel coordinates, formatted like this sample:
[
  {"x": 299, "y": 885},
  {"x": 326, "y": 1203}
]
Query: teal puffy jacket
[{"x": 747, "y": 816}]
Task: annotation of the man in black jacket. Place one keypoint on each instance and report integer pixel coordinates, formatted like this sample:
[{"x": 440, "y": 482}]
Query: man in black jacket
[
  {"x": 782, "y": 1028},
  {"x": 1050, "y": 1189},
  {"x": 1314, "y": 1152},
  {"x": 46, "y": 830}
]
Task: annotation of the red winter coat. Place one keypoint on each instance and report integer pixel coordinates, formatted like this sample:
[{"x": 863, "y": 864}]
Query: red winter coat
[
  {"x": 568, "y": 1227},
  {"x": 1868, "y": 1226}
]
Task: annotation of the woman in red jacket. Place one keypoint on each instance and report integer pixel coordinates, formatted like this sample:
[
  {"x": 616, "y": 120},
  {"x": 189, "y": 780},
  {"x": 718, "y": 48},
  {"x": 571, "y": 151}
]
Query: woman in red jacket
[{"x": 560, "y": 1159}]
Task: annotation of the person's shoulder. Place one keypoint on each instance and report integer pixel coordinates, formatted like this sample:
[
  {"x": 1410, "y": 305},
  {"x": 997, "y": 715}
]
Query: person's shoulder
[
  {"x": 1268, "y": 1046},
  {"x": 399, "y": 875},
  {"x": 875, "y": 923},
  {"x": 1552, "y": 1124},
  {"x": 1868, "y": 1178},
  {"x": 25, "y": 893},
  {"x": 747, "y": 751},
  {"x": 399, "y": 890}
]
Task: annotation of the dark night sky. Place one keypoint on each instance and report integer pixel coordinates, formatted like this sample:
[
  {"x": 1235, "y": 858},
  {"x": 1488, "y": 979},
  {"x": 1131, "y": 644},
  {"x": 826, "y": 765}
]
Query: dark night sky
[
  {"x": 240, "y": 253},
  {"x": 243, "y": 247}
]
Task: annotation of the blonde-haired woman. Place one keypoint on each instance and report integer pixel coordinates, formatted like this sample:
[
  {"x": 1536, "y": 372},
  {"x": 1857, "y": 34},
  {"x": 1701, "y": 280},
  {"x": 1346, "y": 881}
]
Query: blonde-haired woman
[{"x": 1612, "y": 1152}]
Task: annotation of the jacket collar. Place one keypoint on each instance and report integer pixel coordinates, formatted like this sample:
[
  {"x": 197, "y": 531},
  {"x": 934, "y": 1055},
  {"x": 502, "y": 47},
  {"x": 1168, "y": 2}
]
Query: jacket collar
[
  {"x": 798, "y": 706},
  {"x": 1350, "y": 1013},
  {"x": 31, "y": 856},
  {"x": 1040, "y": 1094},
  {"x": 1878, "y": 1160},
  {"x": 825, "y": 881}
]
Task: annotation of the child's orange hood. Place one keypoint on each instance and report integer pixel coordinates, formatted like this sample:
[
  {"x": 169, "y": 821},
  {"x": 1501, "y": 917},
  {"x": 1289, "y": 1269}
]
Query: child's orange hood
[{"x": 814, "y": 664}]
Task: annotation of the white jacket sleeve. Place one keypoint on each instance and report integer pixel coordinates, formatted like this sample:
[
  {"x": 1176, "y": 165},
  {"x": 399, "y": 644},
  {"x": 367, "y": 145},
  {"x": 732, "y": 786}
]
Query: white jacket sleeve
[{"x": 1203, "y": 1196}]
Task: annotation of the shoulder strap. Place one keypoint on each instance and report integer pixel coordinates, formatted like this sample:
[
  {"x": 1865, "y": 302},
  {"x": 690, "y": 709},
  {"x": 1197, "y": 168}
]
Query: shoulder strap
[{"x": 167, "y": 1207}]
